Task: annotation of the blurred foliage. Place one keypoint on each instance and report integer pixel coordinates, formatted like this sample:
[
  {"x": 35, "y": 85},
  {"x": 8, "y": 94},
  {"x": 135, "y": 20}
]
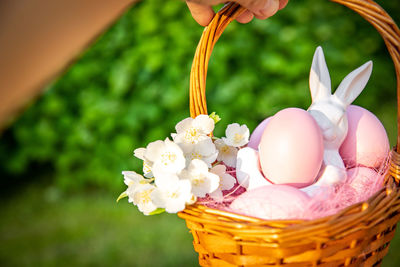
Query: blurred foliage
[{"x": 131, "y": 86}]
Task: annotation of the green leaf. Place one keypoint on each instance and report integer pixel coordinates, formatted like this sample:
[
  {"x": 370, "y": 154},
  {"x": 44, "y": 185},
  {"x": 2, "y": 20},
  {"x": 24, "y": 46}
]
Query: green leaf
[
  {"x": 123, "y": 195},
  {"x": 157, "y": 211}
]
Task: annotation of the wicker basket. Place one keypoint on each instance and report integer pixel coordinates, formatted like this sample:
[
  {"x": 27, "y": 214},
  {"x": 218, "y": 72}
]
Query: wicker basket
[{"x": 357, "y": 236}]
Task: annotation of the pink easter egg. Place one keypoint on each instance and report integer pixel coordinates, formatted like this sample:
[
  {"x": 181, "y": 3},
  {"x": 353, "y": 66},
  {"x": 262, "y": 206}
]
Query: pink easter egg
[
  {"x": 255, "y": 137},
  {"x": 364, "y": 181},
  {"x": 272, "y": 202},
  {"x": 366, "y": 143},
  {"x": 291, "y": 148}
]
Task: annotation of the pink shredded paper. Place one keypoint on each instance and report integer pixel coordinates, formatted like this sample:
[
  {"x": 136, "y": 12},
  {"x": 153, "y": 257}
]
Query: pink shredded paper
[{"x": 327, "y": 202}]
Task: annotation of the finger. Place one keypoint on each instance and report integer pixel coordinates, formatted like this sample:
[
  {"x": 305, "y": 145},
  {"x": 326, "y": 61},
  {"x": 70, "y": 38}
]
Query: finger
[
  {"x": 283, "y": 3},
  {"x": 203, "y": 14},
  {"x": 246, "y": 17},
  {"x": 269, "y": 9}
]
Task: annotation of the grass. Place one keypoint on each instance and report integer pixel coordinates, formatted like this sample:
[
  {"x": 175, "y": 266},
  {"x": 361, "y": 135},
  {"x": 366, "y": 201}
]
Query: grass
[{"x": 44, "y": 227}]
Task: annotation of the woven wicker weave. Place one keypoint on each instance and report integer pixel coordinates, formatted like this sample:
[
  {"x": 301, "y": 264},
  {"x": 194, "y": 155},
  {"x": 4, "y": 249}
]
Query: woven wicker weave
[{"x": 357, "y": 236}]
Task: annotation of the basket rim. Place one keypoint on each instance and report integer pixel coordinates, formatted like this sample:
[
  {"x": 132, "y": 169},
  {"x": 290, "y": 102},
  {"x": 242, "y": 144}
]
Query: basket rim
[{"x": 376, "y": 204}]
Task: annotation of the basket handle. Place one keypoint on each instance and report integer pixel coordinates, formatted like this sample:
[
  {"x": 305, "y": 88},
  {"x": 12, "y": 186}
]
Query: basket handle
[{"x": 368, "y": 9}]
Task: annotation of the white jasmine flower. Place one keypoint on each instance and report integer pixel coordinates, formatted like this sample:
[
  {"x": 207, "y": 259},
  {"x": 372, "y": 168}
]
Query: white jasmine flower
[
  {"x": 131, "y": 178},
  {"x": 226, "y": 154},
  {"x": 204, "y": 150},
  {"x": 226, "y": 182},
  {"x": 236, "y": 135},
  {"x": 133, "y": 181},
  {"x": 173, "y": 198},
  {"x": 203, "y": 182},
  {"x": 141, "y": 197},
  {"x": 191, "y": 131},
  {"x": 167, "y": 157}
]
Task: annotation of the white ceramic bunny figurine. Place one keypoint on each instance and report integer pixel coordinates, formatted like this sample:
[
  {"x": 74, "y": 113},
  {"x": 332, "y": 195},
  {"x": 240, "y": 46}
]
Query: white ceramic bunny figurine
[
  {"x": 247, "y": 169},
  {"x": 329, "y": 111}
]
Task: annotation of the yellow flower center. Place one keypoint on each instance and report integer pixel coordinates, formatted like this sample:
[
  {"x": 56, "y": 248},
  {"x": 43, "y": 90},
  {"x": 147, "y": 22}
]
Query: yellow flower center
[
  {"x": 225, "y": 150},
  {"x": 173, "y": 195},
  {"x": 146, "y": 167},
  {"x": 144, "y": 196},
  {"x": 238, "y": 137},
  {"x": 168, "y": 157},
  {"x": 191, "y": 135},
  {"x": 196, "y": 155},
  {"x": 198, "y": 180}
]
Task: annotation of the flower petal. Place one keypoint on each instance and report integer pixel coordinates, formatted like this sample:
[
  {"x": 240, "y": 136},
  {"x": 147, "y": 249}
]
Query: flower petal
[
  {"x": 218, "y": 169},
  {"x": 183, "y": 125},
  {"x": 173, "y": 198},
  {"x": 236, "y": 135},
  {"x": 131, "y": 177},
  {"x": 197, "y": 166},
  {"x": 227, "y": 181},
  {"x": 166, "y": 180},
  {"x": 204, "y": 123},
  {"x": 169, "y": 159},
  {"x": 203, "y": 184},
  {"x": 205, "y": 147},
  {"x": 231, "y": 129},
  {"x": 139, "y": 153},
  {"x": 154, "y": 150},
  {"x": 143, "y": 200},
  {"x": 226, "y": 153}
]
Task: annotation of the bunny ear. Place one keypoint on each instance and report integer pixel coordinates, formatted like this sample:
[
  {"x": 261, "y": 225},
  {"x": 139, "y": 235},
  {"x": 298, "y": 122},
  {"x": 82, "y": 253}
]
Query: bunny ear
[
  {"x": 353, "y": 84},
  {"x": 320, "y": 81}
]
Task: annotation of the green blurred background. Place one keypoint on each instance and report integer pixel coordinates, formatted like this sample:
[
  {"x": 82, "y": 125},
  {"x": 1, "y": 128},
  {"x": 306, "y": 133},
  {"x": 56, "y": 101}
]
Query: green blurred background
[{"x": 61, "y": 160}]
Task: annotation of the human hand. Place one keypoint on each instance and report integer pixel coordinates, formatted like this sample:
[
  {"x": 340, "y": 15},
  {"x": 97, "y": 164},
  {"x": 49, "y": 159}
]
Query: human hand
[{"x": 203, "y": 13}]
